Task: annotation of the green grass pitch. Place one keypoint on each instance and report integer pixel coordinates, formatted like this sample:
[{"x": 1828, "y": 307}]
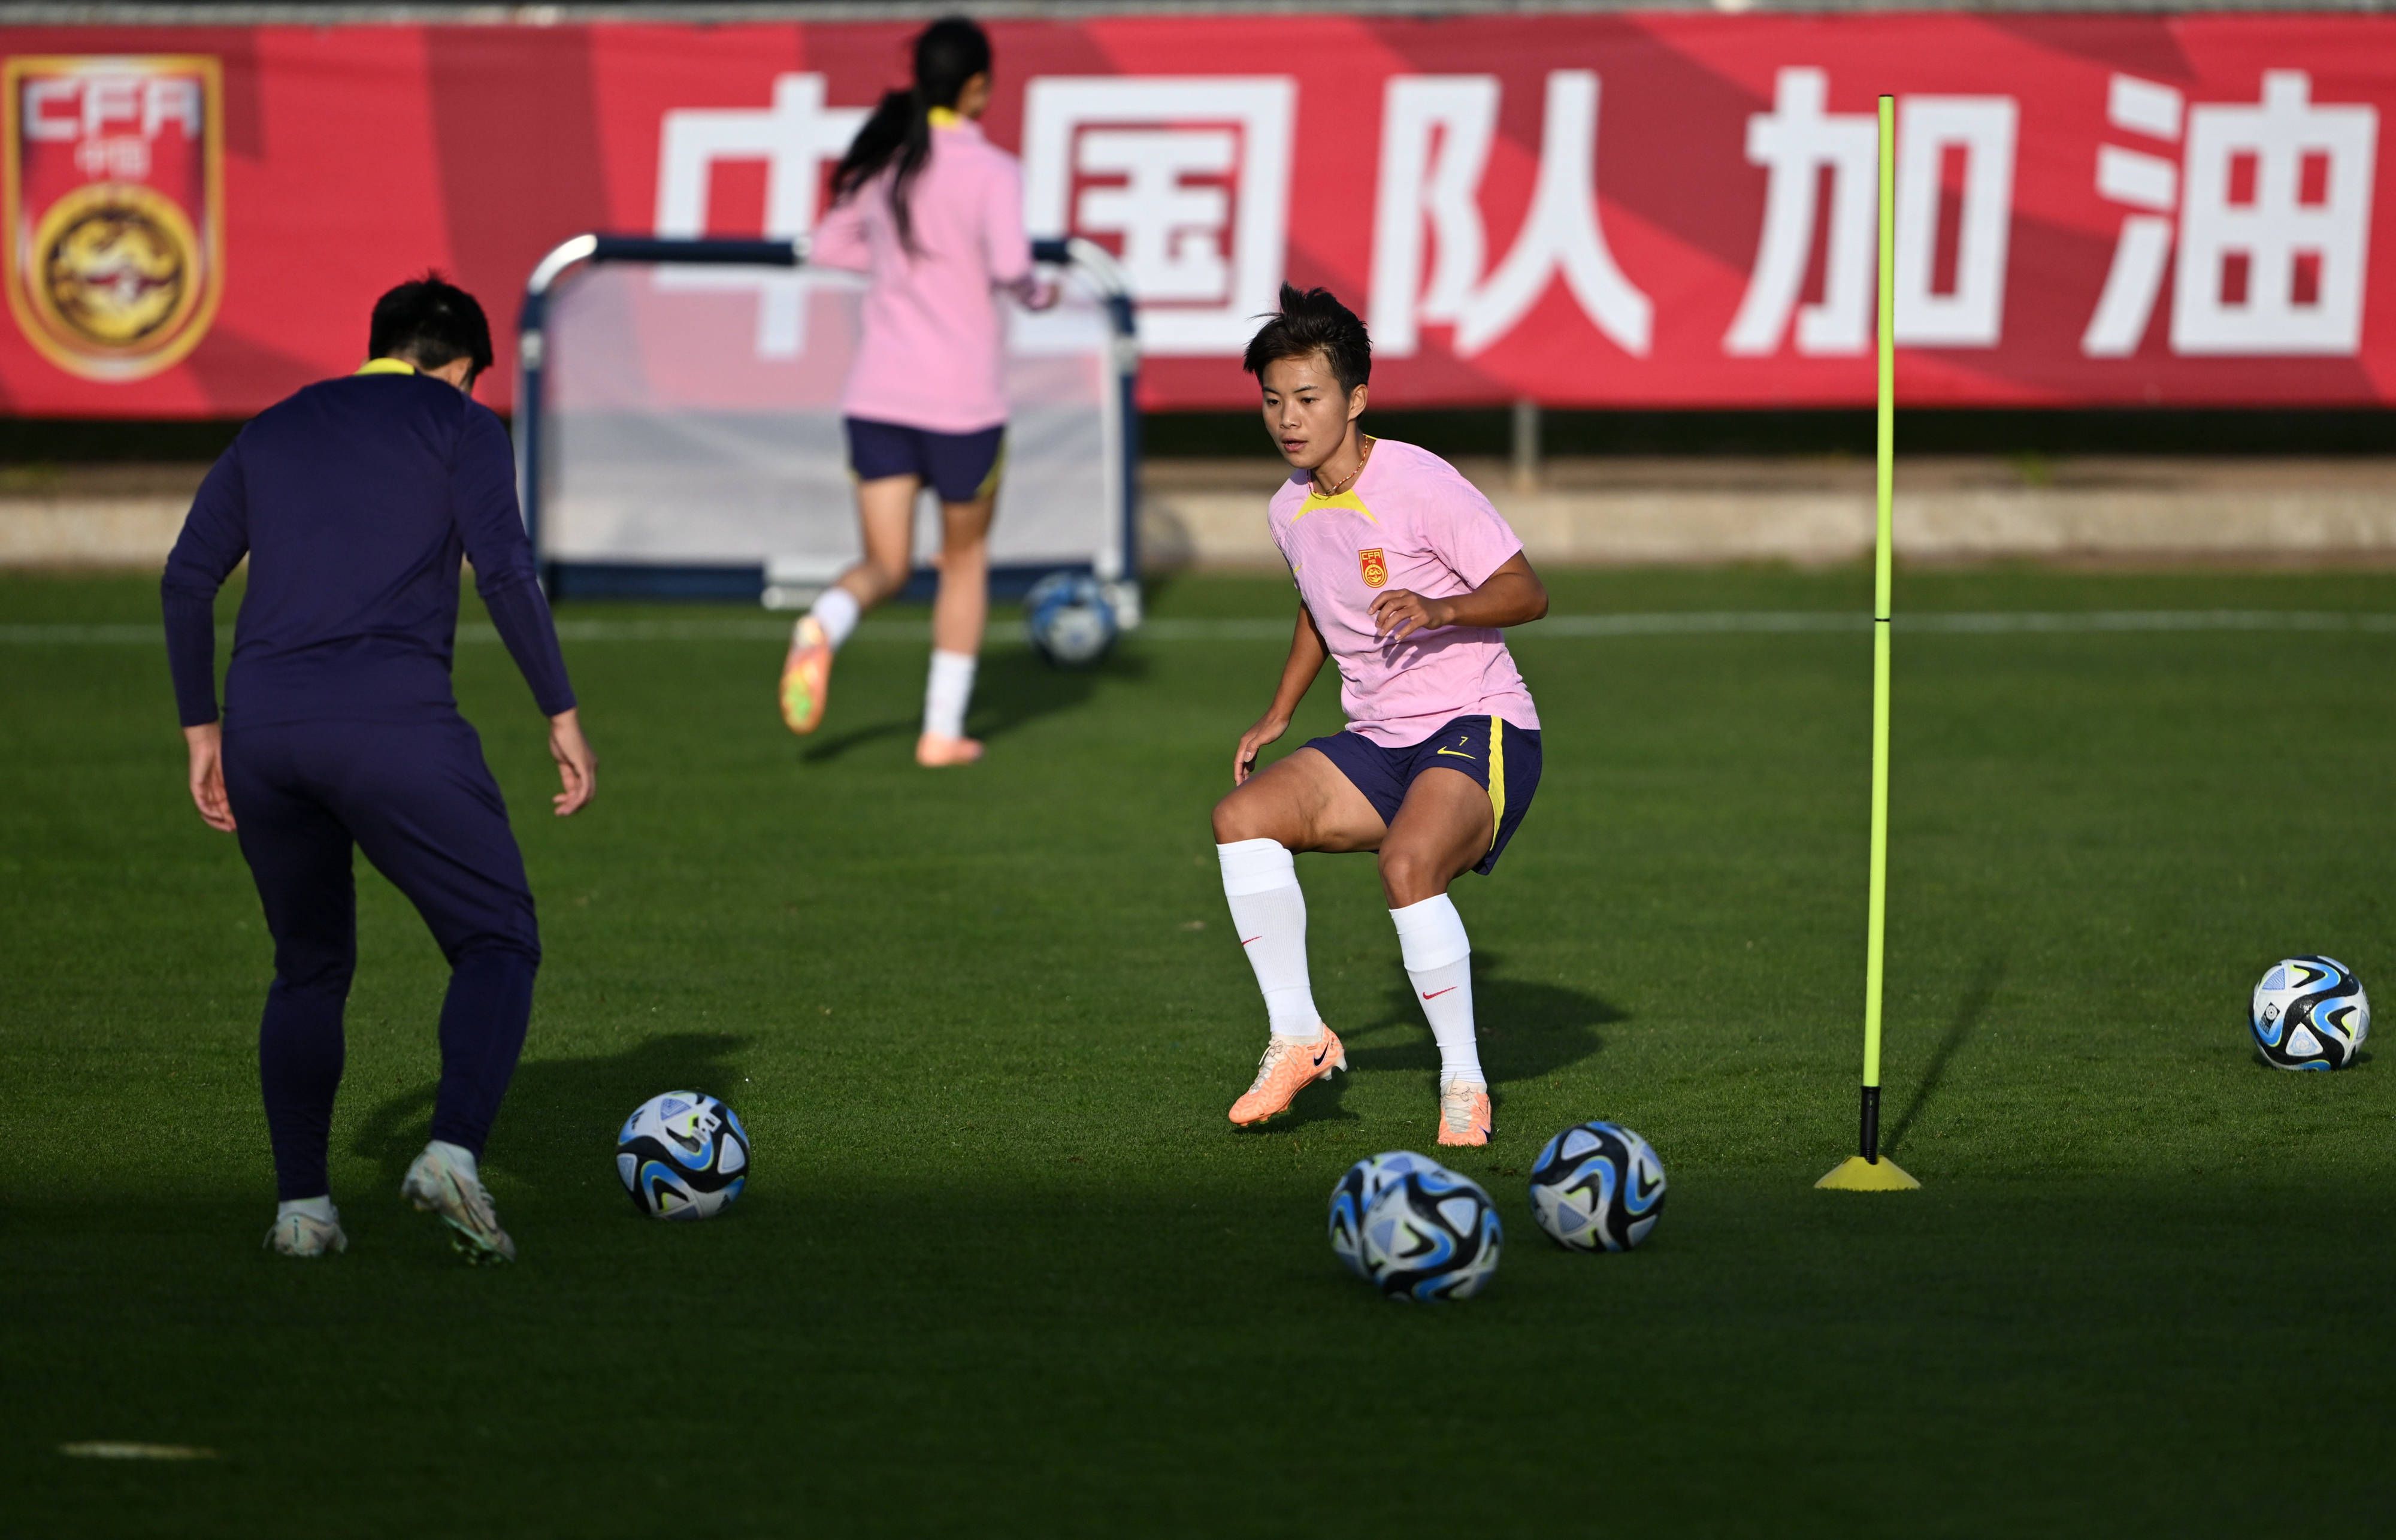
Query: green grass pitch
[{"x": 1005, "y": 1270}]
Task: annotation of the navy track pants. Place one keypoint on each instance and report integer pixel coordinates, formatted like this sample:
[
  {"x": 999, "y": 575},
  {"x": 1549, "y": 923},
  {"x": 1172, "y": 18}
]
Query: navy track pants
[{"x": 417, "y": 799}]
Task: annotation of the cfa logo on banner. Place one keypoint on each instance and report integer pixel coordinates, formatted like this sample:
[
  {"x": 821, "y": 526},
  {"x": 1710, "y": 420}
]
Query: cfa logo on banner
[{"x": 112, "y": 192}]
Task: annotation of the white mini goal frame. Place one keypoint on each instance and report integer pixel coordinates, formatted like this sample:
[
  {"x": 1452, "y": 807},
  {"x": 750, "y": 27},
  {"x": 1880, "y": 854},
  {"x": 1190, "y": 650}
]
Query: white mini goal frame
[{"x": 1110, "y": 550}]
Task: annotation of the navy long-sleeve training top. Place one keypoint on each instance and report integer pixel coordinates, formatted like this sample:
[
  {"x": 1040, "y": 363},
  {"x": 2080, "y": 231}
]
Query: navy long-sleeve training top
[{"x": 354, "y": 500}]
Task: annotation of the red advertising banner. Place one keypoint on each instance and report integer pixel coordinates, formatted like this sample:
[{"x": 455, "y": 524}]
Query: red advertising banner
[{"x": 1581, "y": 210}]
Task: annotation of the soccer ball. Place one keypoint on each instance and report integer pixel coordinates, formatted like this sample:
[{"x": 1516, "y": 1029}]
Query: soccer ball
[
  {"x": 1430, "y": 1234},
  {"x": 2309, "y": 1012},
  {"x": 1597, "y": 1187},
  {"x": 1355, "y": 1193},
  {"x": 1070, "y": 619},
  {"x": 683, "y": 1156}
]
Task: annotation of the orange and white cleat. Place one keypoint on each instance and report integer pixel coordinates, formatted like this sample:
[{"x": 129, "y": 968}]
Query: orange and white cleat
[
  {"x": 1464, "y": 1114},
  {"x": 933, "y": 750},
  {"x": 807, "y": 676},
  {"x": 1289, "y": 1066}
]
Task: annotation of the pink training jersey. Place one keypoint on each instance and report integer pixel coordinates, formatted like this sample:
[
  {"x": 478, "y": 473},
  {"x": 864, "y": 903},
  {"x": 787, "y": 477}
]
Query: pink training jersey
[
  {"x": 1410, "y": 521},
  {"x": 933, "y": 352}
]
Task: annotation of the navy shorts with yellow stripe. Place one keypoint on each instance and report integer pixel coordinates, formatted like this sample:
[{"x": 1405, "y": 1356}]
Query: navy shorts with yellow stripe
[
  {"x": 1502, "y": 757},
  {"x": 961, "y": 468}
]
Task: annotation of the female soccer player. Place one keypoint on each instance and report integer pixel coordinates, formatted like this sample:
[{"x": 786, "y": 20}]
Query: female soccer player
[
  {"x": 933, "y": 214},
  {"x": 1404, "y": 573}
]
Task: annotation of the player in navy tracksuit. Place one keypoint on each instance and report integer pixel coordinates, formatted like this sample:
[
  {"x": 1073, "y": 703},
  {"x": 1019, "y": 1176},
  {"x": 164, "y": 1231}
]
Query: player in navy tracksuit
[{"x": 354, "y": 502}]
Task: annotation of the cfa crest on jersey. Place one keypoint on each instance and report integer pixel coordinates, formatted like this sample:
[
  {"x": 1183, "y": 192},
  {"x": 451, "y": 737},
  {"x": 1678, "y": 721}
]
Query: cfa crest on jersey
[
  {"x": 111, "y": 190},
  {"x": 1376, "y": 570}
]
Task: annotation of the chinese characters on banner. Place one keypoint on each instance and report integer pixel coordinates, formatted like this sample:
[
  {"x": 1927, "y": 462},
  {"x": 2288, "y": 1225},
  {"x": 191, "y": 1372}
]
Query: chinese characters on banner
[
  {"x": 2270, "y": 245},
  {"x": 1661, "y": 211}
]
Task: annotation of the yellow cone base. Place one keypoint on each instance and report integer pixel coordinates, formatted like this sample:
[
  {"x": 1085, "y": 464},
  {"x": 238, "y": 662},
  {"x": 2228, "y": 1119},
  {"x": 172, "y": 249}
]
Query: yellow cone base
[{"x": 1857, "y": 1174}]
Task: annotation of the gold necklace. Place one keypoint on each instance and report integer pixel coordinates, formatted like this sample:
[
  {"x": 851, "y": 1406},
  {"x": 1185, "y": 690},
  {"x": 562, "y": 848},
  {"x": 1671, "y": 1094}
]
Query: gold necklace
[{"x": 1350, "y": 479}]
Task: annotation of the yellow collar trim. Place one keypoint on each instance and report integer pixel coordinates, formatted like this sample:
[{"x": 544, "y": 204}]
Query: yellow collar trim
[
  {"x": 946, "y": 117},
  {"x": 386, "y": 365},
  {"x": 1316, "y": 501}
]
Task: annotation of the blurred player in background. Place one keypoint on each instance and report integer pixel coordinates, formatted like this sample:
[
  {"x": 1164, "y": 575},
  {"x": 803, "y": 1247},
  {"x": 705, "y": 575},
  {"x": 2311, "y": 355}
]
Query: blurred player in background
[
  {"x": 932, "y": 213},
  {"x": 1404, "y": 572},
  {"x": 354, "y": 502}
]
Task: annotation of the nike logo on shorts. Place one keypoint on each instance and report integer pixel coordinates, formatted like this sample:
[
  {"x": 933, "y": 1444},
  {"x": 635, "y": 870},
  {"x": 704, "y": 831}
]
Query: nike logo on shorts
[{"x": 1453, "y": 752}]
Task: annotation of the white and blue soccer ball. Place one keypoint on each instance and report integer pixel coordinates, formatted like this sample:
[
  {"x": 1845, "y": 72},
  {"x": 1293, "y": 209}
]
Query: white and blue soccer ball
[
  {"x": 1072, "y": 621},
  {"x": 1355, "y": 1193},
  {"x": 1430, "y": 1234},
  {"x": 683, "y": 1156},
  {"x": 1597, "y": 1187},
  {"x": 2309, "y": 1012}
]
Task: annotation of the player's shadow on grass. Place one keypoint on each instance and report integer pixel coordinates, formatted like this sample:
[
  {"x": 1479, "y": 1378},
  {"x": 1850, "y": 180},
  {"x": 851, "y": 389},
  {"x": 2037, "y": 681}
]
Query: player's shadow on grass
[
  {"x": 558, "y": 1124},
  {"x": 1525, "y": 1030},
  {"x": 1014, "y": 688},
  {"x": 1018, "y": 687},
  {"x": 858, "y": 737},
  {"x": 1969, "y": 1013}
]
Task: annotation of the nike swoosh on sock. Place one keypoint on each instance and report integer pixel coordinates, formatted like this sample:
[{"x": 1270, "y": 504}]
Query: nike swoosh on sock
[
  {"x": 1253, "y": 939},
  {"x": 1436, "y": 994}
]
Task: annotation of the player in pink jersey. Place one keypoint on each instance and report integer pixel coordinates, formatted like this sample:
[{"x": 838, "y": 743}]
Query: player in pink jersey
[
  {"x": 1404, "y": 574},
  {"x": 933, "y": 214}
]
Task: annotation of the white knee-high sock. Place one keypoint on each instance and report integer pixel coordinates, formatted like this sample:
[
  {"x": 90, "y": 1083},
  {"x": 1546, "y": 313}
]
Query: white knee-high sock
[
  {"x": 835, "y": 611},
  {"x": 948, "y": 690},
  {"x": 1269, "y": 912},
  {"x": 1439, "y": 960}
]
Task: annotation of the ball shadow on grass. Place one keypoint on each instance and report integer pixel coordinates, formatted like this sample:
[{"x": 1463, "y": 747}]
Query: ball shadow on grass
[{"x": 2255, "y": 1056}]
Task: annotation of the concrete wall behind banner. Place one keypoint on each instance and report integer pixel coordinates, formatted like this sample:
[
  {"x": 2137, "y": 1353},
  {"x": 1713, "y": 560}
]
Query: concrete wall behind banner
[{"x": 1589, "y": 208}]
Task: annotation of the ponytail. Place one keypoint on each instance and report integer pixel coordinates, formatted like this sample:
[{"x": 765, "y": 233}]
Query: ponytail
[
  {"x": 898, "y": 135},
  {"x": 900, "y": 132}
]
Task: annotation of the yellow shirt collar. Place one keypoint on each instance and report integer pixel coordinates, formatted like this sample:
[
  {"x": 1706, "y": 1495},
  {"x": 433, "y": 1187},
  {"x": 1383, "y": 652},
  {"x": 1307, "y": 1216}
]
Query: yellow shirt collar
[
  {"x": 386, "y": 365},
  {"x": 1346, "y": 498},
  {"x": 946, "y": 117}
]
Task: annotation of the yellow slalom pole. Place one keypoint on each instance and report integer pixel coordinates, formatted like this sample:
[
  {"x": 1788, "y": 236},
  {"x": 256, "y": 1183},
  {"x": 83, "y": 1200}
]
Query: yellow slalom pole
[{"x": 1865, "y": 1170}]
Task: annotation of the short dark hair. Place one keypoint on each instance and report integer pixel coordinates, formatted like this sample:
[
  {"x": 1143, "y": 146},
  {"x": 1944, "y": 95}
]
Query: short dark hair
[
  {"x": 1312, "y": 321},
  {"x": 432, "y": 323}
]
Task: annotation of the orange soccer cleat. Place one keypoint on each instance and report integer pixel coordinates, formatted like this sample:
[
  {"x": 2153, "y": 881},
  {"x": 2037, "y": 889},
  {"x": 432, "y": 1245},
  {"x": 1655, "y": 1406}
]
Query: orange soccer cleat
[
  {"x": 1289, "y": 1066},
  {"x": 1464, "y": 1114},
  {"x": 806, "y": 677}
]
